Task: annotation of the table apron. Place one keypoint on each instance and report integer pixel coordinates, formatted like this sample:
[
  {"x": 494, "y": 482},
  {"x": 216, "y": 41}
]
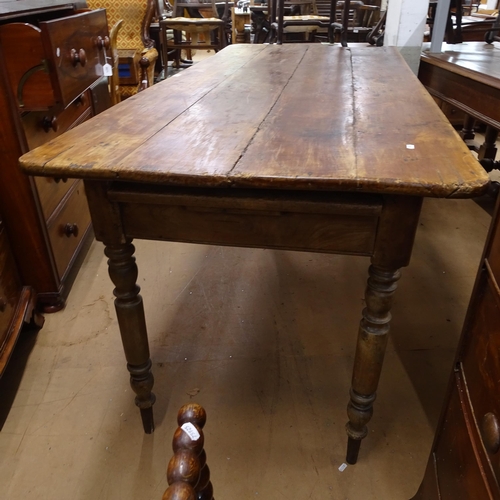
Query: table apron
[
  {"x": 291, "y": 231},
  {"x": 316, "y": 222}
]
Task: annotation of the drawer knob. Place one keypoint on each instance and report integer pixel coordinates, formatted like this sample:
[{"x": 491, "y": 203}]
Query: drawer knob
[
  {"x": 490, "y": 432},
  {"x": 3, "y": 304},
  {"x": 103, "y": 42},
  {"x": 81, "y": 100},
  {"x": 50, "y": 122},
  {"x": 78, "y": 56},
  {"x": 71, "y": 230}
]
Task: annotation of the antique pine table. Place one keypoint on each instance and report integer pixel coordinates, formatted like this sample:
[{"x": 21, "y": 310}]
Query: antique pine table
[{"x": 302, "y": 146}]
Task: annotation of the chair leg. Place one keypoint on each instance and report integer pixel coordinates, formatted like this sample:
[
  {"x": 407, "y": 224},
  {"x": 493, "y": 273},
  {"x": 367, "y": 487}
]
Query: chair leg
[
  {"x": 467, "y": 132},
  {"x": 144, "y": 64},
  {"x": 345, "y": 23},
  {"x": 177, "y": 53},
  {"x": 488, "y": 148}
]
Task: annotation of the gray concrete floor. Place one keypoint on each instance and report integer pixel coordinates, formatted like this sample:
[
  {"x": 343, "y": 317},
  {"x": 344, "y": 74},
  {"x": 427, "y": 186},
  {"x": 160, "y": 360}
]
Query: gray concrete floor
[{"x": 264, "y": 340}]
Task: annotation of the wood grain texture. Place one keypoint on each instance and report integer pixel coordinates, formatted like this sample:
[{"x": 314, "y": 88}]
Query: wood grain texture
[
  {"x": 297, "y": 116},
  {"x": 74, "y": 33},
  {"x": 465, "y": 461},
  {"x": 467, "y": 77},
  {"x": 476, "y": 60}
]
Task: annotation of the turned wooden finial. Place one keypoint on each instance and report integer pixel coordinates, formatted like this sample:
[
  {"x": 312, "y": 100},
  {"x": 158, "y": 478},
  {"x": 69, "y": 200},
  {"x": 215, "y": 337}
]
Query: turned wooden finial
[
  {"x": 187, "y": 473},
  {"x": 194, "y": 413}
]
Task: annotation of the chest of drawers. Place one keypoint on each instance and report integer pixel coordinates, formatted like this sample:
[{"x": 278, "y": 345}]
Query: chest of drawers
[
  {"x": 17, "y": 303},
  {"x": 465, "y": 460},
  {"x": 51, "y": 58}
]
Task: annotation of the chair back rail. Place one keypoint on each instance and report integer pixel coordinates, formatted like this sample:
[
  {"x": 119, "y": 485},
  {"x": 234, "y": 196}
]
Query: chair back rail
[{"x": 329, "y": 22}]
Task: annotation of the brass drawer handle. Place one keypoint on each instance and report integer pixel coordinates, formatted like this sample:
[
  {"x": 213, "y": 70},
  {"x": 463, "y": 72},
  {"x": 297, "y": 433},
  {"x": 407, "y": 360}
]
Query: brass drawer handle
[
  {"x": 78, "y": 56},
  {"x": 71, "y": 230},
  {"x": 57, "y": 180},
  {"x": 490, "y": 432}
]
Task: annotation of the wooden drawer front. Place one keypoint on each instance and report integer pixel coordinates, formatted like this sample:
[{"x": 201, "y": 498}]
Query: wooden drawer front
[
  {"x": 295, "y": 221},
  {"x": 42, "y": 126},
  {"x": 459, "y": 473},
  {"x": 493, "y": 254},
  {"x": 25, "y": 66},
  {"x": 311, "y": 232},
  {"x": 51, "y": 191},
  {"x": 71, "y": 38},
  {"x": 68, "y": 226},
  {"x": 10, "y": 287},
  {"x": 481, "y": 365}
]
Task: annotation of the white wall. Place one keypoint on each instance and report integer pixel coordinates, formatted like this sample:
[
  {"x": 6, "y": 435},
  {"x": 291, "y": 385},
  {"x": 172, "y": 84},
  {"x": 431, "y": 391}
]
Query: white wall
[{"x": 404, "y": 28}]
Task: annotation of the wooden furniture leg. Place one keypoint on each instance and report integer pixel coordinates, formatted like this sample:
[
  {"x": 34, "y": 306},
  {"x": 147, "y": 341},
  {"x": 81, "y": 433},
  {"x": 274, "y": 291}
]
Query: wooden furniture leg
[
  {"x": 370, "y": 350},
  {"x": 393, "y": 244},
  {"x": 488, "y": 148},
  {"x": 187, "y": 473},
  {"x": 132, "y": 323},
  {"x": 467, "y": 132}
]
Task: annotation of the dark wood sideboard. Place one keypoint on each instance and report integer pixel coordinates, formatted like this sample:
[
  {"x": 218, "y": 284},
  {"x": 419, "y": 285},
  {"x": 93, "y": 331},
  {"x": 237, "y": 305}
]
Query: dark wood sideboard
[
  {"x": 51, "y": 57},
  {"x": 17, "y": 302},
  {"x": 465, "y": 81},
  {"x": 465, "y": 459}
]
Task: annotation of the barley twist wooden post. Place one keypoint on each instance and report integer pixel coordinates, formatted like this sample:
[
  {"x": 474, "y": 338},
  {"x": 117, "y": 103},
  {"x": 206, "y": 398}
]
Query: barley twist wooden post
[
  {"x": 187, "y": 473},
  {"x": 370, "y": 350},
  {"x": 130, "y": 314}
]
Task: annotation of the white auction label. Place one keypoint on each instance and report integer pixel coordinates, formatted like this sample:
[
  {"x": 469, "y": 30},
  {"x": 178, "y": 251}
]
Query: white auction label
[{"x": 191, "y": 431}]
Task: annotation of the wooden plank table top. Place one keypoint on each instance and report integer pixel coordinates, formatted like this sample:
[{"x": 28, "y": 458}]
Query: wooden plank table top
[
  {"x": 305, "y": 147},
  {"x": 300, "y": 116}
]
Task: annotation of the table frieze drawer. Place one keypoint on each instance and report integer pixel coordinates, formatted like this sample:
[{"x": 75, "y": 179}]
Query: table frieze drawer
[
  {"x": 329, "y": 223},
  {"x": 68, "y": 226}
]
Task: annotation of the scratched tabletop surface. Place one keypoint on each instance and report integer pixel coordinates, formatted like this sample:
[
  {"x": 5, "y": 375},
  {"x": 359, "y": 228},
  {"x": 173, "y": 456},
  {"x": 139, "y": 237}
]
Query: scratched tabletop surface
[{"x": 295, "y": 116}]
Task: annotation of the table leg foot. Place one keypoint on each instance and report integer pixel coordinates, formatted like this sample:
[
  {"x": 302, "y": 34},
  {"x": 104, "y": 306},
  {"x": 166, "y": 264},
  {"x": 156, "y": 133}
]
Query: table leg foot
[
  {"x": 148, "y": 422},
  {"x": 353, "y": 446},
  {"x": 130, "y": 313},
  {"x": 141, "y": 381},
  {"x": 370, "y": 350}
]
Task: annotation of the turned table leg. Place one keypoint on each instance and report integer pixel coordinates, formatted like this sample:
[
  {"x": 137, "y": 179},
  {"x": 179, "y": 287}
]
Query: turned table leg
[
  {"x": 130, "y": 314},
  {"x": 488, "y": 148},
  {"x": 467, "y": 133},
  {"x": 370, "y": 350}
]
